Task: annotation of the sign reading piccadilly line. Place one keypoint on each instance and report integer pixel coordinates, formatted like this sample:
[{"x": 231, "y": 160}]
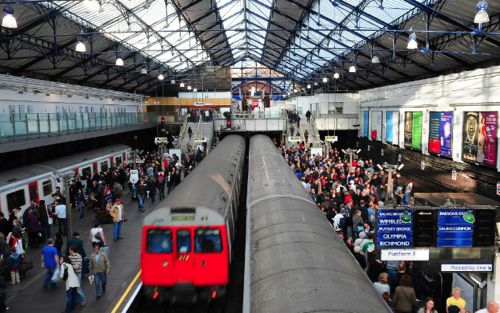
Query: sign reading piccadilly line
[
  {"x": 486, "y": 267},
  {"x": 395, "y": 229},
  {"x": 455, "y": 228},
  {"x": 405, "y": 254}
]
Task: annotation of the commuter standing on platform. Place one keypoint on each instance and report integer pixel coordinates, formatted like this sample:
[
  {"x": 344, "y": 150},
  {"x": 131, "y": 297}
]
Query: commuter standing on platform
[
  {"x": 308, "y": 116},
  {"x": 190, "y": 132},
  {"x": 77, "y": 262},
  {"x": 68, "y": 275},
  {"x": 62, "y": 222},
  {"x": 455, "y": 299},
  {"x": 43, "y": 216},
  {"x": 404, "y": 297},
  {"x": 50, "y": 259},
  {"x": 491, "y": 308},
  {"x": 118, "y": 217},
  {"x": 141, "y": 195},
  {"x": 99, "y": 268}
]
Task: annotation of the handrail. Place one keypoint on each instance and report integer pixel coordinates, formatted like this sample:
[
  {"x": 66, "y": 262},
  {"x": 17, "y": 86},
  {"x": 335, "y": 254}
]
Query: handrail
[
  {"x": 316, "y": 136},
  {"x": 196, "y": 131},
  {"x": 182, "y": 133}
]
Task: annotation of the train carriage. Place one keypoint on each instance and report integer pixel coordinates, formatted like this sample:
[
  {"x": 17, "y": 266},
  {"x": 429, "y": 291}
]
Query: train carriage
[
  {"x": 187, "y": 241},
  {"x": 20, "y": 186}
]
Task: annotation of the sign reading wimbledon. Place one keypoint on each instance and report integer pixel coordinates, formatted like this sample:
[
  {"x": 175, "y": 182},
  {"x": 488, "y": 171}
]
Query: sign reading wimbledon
[
  {"x": 395, "y": 229},
  {"x": 455, "y": 228}
]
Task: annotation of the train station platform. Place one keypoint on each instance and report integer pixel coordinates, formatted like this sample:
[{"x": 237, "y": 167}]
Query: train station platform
[{"x": 30, "y": 296}]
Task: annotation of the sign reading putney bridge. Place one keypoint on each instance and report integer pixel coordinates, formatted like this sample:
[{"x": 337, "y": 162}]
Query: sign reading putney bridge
[{"x": 395, "y": 229}]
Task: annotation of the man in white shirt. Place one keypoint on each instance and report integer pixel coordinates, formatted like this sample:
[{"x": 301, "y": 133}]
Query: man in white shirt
[
  {"x": 62, "y": 221},
  {"x": 491, "y": 308}
]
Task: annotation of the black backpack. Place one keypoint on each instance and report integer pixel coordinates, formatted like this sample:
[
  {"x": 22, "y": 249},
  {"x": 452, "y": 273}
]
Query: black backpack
[{"x": 65, "y": 274}]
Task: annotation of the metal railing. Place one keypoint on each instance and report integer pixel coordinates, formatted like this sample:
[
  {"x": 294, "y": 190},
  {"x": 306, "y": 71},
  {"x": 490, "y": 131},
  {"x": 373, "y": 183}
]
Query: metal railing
[
  {"x": 182, "y": 133},
  {"x": 32, "y": 125},
  {"x": 316, "y": 137}
]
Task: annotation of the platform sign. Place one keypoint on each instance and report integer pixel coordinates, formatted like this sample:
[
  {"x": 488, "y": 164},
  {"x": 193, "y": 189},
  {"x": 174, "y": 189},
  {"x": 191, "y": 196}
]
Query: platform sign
[
  {"x": 159, "y": 140},
  {"x": 395, "y": 229},
  {"x": 331, "y": 138},
  {"x": 294, "y": 139},
  {"x": 472, "y": 267},
  {"x": 455, "y": 228},
  {"x": 405, "y": 254},
  {"x": 134, "y": 176}
]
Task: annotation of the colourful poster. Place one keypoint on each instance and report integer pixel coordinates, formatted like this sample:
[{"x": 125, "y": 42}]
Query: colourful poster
[
  {"x": 408, "y": 128},
  {"x": 445, "y": 133},
  {"x": 416, "y": 131},
  {"x": 434, "y": 135},
  {"x": 487, "y": 141},
  {"x": 365, "y": 124},
  {"x": 388, "y": 126},
  {"x": 470, "y": 136},
  {"x": 376, "y": 125}
]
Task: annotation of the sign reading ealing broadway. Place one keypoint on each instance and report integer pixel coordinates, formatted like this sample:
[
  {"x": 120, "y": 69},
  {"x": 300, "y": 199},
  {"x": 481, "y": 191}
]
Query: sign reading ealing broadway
[
  {"x": 395, "y": 229},
  {"x": 455, "y": 228}
]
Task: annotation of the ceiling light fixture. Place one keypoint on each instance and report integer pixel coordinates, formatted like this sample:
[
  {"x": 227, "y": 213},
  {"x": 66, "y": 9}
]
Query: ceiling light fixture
[
  {"x": 325, "y": 80},
  {"x": 189, "y": 87},
  {"x": 375, "y": 59},
  {"x": 144, "y": 70},
  {"x": 172, "y": 82},
  {"x": 412, "y": 42},
  {"x": 9, "y": 21},
  {"x": 182, "y": 85},
  {"x": 161, "y": 77},
  {"x": 195, "y": 90},
  {"x": 315, "y": 83},
  {"x": 352, "y": 69},
  {"x": 308, "y": 86},
  {"x": 336, "y": 75},
  {"x": 481, "y": 15},
  {"x": 119, "y": 60},
  {"x": 80, "y": 46}
]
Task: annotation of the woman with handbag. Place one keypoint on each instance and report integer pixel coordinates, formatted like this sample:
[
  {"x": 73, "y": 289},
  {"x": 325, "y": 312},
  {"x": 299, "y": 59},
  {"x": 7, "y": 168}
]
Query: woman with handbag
[{"x": 67, "y": 274}]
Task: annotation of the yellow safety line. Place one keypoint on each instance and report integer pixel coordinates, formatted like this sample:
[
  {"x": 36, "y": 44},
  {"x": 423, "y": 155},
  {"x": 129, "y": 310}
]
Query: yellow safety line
[{"x": 119, "y": 303}]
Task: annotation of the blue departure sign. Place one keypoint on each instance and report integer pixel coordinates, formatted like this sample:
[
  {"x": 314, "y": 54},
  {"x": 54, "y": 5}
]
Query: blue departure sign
[
  {"x": 455, "y": 228},
  {"x": 394, "y": 229}
]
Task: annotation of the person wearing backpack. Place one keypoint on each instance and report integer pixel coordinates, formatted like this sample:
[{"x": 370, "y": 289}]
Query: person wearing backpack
[
  {"x": 14, "y": 266},
  {"x": 68, "y": 275}
]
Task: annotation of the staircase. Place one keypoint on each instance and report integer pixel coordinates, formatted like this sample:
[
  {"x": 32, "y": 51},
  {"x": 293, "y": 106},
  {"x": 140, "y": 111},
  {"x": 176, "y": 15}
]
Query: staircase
[
  {"x": 200, "y": 130},
  {"x": 313, "y": 137}
]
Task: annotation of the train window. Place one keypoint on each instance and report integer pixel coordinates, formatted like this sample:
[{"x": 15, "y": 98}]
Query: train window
[
  {"x": 47, "y": 188},
  {"x": 208, "y": 240},
  {"x": 87, "y": 172},
  {"x": 159, "y": 241},
  {"x": 104, "y": 166},
  {"x": 183, "y": 241},
  {"x": 118, "y": 160},
  {"x": 16, "y": 199}
]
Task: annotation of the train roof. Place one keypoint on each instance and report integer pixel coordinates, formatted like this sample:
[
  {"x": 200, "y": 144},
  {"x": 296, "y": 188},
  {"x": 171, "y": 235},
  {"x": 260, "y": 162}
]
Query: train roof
[
  {"x": 209, "y": 185},
  {"x": 21, "y": 174},
  {"x": 296, "y": 261},
  {"x": 78, "y": 158}
]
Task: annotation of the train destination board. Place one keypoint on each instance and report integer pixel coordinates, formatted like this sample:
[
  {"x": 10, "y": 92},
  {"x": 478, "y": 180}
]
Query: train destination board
[
  {"x": 395, "y": 229},
  {"x": 455, "y": 228}
]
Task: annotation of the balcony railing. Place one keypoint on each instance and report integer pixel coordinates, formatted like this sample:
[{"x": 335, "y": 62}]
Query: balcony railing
[{"x": 32, "y": 125}]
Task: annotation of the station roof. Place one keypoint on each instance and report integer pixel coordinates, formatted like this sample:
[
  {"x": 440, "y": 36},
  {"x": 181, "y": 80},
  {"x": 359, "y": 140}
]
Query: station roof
[{"x": 300, "y": 41}]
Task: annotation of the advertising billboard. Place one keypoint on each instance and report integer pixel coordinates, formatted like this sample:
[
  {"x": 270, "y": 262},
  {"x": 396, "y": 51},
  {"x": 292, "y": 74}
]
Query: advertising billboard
[
  {"x": 479, "y": 142},
  {"x": 440, "y": 133},
  {"x": 376, "y": 125}
]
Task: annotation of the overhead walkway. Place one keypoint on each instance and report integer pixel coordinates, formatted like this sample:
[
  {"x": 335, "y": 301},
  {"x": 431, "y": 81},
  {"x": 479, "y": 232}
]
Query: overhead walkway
[{"x": 22, "y": 131}]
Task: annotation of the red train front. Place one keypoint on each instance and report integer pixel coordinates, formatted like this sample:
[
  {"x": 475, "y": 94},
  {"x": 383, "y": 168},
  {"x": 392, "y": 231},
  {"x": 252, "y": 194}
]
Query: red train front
[{"x": 186, "y": 243}]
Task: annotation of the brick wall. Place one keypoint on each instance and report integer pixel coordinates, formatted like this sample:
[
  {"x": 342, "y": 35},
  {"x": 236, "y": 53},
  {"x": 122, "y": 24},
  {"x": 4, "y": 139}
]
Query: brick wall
[{"x": 437, "y": 173}]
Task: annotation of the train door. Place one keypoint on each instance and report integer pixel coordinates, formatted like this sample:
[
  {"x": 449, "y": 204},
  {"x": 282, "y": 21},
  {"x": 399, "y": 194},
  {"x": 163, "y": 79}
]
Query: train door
[
  {"x": 33, "y": 192},
  {"x": 184, "y": 256},
  {"x": 211, "y": 261},
  {"x": 86, "y": 171}
]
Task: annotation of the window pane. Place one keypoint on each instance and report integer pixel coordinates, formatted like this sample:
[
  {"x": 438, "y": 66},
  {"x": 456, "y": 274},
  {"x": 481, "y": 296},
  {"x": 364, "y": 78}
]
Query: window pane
[
  {"x": 183, "y": 241},
  {"x": 47, "y": 187},
  {"x": 16, "y": 199},
  {"x": 159, "y": 241},
  {"x": 208, "y": 240},
  {"x": 87, "y": 172},
  {"x": 104, "y": 166}
]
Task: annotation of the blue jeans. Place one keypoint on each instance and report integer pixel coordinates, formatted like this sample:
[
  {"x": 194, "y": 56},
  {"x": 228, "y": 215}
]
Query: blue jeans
[
  {"x": 140, "y": 199},
  {"x": 100, "y": 282},
  {"x": 81, "y": 206},
  {"x": 48, "y": 278},
  {"x": 117, "y": 229},
  {"x": 70, "y": 299},
  {"x": 80, "y": 292}
]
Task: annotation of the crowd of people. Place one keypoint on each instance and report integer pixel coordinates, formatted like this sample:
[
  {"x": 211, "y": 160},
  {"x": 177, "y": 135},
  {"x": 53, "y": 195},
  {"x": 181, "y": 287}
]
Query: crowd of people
[{"x": 349, "y": 195}]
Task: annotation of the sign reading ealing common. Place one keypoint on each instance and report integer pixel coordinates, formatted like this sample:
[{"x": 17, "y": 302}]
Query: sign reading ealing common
[
  {"x": 455, "y": 228},
  {"x": 395, "y": 229}
]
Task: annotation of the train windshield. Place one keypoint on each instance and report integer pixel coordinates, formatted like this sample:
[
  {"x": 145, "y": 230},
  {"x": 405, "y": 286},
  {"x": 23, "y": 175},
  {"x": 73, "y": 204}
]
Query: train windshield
[
  {"x": 208, "y": 240},
  {"x": 159, "y": 241},
  {"x": 183, "y": 241}
]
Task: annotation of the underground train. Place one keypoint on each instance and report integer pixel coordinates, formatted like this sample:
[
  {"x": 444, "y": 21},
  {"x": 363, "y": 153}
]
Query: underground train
[
  {"x": 20, "y": 186},
  {"x": 187, "y": 242},
  {"x": 294, "y": 261}
]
